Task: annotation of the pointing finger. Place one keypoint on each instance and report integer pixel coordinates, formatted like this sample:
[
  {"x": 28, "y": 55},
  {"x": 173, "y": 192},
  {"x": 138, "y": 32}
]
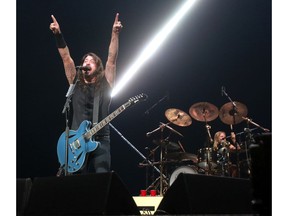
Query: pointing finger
[
  {"x": 54, "y": 19},
  {"x": 116, "y": 18}
]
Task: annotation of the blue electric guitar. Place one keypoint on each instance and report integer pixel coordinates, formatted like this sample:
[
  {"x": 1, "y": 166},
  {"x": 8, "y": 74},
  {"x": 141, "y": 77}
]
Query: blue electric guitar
[{"x": 80, "y": 142}]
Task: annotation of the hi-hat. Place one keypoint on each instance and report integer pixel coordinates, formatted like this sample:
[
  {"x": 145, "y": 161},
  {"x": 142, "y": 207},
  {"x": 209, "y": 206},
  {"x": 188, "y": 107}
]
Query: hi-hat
[
  {"x": 178, "y": 117},
  {"x": 230, "y": 114},
  {"x": 204, "y": 111}
]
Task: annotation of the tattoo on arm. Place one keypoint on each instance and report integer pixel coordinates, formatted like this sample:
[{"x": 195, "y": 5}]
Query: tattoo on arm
[{"x": 70, "y": 72}]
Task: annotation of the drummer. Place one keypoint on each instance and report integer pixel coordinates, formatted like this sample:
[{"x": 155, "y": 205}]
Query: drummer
[
  {"x": 221, "y": 141},
  {"x": 224, "y": 148}
]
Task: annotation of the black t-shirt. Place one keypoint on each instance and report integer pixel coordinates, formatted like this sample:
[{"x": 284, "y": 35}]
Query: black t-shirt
[{"x": 83, "y": 104}]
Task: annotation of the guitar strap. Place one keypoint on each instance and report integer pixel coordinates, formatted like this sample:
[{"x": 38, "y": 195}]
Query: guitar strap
[{"x": 96, "y": 105}]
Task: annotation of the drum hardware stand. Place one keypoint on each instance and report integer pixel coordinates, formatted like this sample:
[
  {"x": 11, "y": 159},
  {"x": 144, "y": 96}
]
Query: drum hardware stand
[
  {"x": 131, "y": 145},
  {"x": 224, "y": 159},
  {"x": 248, "y": 140},
  {"x": 161, "y": 181},
  {"x": 149, "y": 154},
  {"x": 257, "y": 125},
  {"x": 233, "y": 113},
  {"x": 161, "y": 163},
  {"x": 208, "y": 127},
  {"x": 156, "y": 183},
  {"x": 174, "y": 131},
  {"x": 249, "y": 137},
  {"x": 245, "y": 130},
  {"x": 163, "y": 151},
  {"x": 181, "y": 146},
  {"x": 235, "y": 144},
  {"x": 205, "y": 112},
  {"x": 161, "y": 127}
]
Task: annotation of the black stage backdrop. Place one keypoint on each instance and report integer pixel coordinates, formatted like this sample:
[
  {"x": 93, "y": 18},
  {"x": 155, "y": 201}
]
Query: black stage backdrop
[{"x": 218, "y": 43}]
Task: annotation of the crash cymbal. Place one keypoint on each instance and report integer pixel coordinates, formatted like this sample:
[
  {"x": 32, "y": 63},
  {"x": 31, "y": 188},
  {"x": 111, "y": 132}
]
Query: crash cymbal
[
  {"x": 204, "y": 111},
  {"x": 182, "y": 156},
  {"x": 230, "y": 114},
  {"x": 178, "y": 117}
]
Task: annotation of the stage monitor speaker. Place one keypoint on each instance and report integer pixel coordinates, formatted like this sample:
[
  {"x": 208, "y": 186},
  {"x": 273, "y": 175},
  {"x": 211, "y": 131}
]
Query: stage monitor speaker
[
  {"x": 203, "y": 194},
  {"x": 23, "y": 188},
  {"x": 91, "y": 194},
  {"x": 261, "y": 173}
]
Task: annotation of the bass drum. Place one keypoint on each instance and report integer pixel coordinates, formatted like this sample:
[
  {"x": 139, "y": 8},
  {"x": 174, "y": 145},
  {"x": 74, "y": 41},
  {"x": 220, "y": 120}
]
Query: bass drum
[{"x": 182, "y": 169}]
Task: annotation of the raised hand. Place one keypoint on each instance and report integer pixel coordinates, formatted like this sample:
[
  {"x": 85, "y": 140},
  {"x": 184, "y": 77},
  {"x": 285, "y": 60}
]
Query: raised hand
[
  {"x": 54, "y": 26},
  {"x": 117, "y": 26}
]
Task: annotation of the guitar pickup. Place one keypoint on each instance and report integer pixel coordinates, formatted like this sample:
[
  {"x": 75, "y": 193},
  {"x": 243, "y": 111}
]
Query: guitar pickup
[{"x": 76, "y": 144}]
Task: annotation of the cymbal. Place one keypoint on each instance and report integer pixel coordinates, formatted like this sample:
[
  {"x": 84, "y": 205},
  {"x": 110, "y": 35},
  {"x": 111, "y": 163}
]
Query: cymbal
[
  {"x": 164, "y": 143},
  {"x": 178, "y": 117},
  {"x": 181, "y": 156},
  {"x": 204, "y": 111},
  {"x": 233, "y": 115}
]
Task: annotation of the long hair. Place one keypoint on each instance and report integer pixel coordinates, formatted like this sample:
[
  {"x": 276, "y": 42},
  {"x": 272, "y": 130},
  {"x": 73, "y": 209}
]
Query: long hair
[
  {"x": 99, "y": 73},
  {"x": 216, "y": 139}
]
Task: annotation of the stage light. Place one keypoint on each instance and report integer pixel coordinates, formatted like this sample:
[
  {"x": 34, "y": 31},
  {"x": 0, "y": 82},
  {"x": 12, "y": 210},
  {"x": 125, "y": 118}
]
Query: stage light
[{"x": 152, "y": 47}]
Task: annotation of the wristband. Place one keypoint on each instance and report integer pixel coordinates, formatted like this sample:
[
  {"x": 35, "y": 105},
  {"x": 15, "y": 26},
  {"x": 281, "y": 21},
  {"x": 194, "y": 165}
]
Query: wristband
[{"x": 60, "y": 42}]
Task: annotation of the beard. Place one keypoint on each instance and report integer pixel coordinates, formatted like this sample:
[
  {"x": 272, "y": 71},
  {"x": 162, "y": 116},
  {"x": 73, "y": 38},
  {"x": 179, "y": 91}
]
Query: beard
[{"x": 89, "y": 76}]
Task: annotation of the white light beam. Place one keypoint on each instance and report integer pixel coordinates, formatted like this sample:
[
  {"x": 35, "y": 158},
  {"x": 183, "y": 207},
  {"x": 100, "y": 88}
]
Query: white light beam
[{"x": 153, "y": 46}]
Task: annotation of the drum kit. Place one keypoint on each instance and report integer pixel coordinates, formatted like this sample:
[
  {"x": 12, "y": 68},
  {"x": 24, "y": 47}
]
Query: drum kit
[{"x": 173, "y": 158}]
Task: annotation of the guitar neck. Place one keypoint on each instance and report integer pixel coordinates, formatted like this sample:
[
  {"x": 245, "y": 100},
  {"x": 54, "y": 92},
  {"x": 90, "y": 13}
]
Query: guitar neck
[{"x": 106, "y": 120}]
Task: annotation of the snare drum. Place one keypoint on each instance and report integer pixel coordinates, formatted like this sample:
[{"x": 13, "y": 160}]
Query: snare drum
[
  {"x": 207, "y": 155},
  {"x": 183, "y": 169}
]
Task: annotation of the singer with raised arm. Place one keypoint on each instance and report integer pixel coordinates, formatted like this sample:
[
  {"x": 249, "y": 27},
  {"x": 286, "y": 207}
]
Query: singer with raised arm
[{"x": 91, "y": 98}]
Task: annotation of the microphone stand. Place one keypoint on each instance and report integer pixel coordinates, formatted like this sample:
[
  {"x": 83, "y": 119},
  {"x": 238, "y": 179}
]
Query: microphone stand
[
  {"x": 257, "y": 125},
  {"x": 234, "y": 111},
  {"x": 240, "y": 133},
  {"x": 65, "y": 111}
]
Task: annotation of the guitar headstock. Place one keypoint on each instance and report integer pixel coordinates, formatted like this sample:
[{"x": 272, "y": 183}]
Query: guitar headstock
[{"x": 138, "y": 98}]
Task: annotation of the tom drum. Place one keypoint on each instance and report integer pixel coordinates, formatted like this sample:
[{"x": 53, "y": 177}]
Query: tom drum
[{"x": 206, "y": 156}]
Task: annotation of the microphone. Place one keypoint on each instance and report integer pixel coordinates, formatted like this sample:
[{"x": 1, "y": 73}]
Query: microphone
[{"x": 85, "y": 68}]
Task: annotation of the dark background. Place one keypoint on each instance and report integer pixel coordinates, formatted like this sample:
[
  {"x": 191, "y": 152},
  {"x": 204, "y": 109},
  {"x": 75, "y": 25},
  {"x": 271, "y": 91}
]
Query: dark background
[{"x": 218, "y": 43}]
